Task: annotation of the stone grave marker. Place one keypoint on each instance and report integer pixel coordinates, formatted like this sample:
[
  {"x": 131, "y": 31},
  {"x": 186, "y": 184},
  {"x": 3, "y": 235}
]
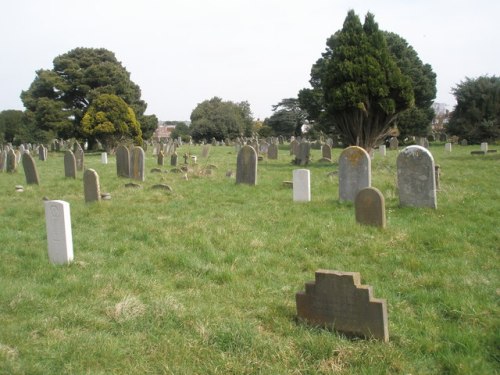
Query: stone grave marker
[
  {"x": 42, "y": 153},
  {"x": 79, "y": 156},
  {"x": 294, "y": 147},
  {"x": 104, "y": 158},
  {"x": 484, "y": 147},
  {"x": 393, "y": 143},
  {"x": 91, "y": 188},
  {"x": 138, "y": 164},
  {"x": 382, "y": 150},
  {"x": 301, "y": 185},
  {"x": 370, "y": 207},
  {"x": 30, "y": 170},
  {"x": 173, "y": 159},
  {"x": 11, "y": 161},
  {"x": 416, "y": 177},
  {"x": 326, "y": 152},
  {"x": 69, "y": 164},
  {"x": 337, "y": 300},
  {"x": 304, "y": 155},
  {"x": 272, "y": 151},
  {"x": 3, "y": 160},
  {"x": 464, "y": 142},
  {"x": 354, "y": 172},
  {"x": 122, "y": 161},
  {"x": 447, "y": 147},
  {"x": 161, "y": 158},
  {"x": 59, "y": 236},
  {"x": 205, "y": 150},
  {"x": 246, "y": 166}
]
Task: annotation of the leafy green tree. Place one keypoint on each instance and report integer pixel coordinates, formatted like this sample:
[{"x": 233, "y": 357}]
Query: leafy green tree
[
  {"x": 60, "y": 97},
  {"x": 10, "y": 124},
  {"x": 111, "y": 120},
  {"x": 149, "y": 123},
  {"x": 476, "y": 116},
  {"x": 288, "y": 118},
  {"x": 220, "y": 119},
  {"x": 181, "y": 130},
  {"x": 356, "y": 84},
  {"x": 417, "y": 120}
]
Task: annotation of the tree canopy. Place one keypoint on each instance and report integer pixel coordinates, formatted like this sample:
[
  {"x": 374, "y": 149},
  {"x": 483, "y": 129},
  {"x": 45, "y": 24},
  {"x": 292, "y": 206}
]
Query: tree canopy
[
  {"x": 476, "y": 116},
  {"x": 287, "y": 118},
  {"x": 111, "y": 120},
  {"x": 357, "y": 86},
  {"x": 59, "y": 98},
  {"x": 220, "y": 119}
]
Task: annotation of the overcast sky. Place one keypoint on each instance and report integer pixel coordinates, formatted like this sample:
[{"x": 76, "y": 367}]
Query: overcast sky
[{"x": 182, "y": 52}]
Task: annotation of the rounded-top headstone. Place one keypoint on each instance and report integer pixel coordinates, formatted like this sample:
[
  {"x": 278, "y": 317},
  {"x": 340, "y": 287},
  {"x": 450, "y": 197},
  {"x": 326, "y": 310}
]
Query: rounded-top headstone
[
  {"x": 370, "y": 207},
  {"x": 354, "y": 172},
  {"x": 246, "y": 166}
]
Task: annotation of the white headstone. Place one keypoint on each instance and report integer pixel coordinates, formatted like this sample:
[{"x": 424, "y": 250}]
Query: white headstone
[
  {"x": 301, "y": 185},
  {"x": 59, "y": 235},
  {"x": 484, "y": 146},
  {"x": 104, "y": 158},
  {"x": 382, "y": 150},
  {"x": 447, "y": 147}
]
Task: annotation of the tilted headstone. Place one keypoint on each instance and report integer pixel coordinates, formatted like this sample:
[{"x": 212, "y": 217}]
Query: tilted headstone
[
  {"x": 370, "y": 207},
  {"x": 138, "y": 166},
  {"x": 416, "y": 177},
  {"x": 59, "y": 236},
  {"x": 272, "y": 152},
  {"x": 301, "y": 185},
  {"x": 337, "y": 300},
  {"x": 246, "y": 166},
  {"x": 326, "y": 152},
  {"x": 79, "y": 156},
  {"x": 11, "y": 161},
  {"x": 104, "y": 158},
  {"x": 30, "y": 170},
  {"x": 354, "y": 172},
  {"x": 69, "y": 164},
  {"x": 122, "y": 161},
  {"x": 91, "y": 187}
]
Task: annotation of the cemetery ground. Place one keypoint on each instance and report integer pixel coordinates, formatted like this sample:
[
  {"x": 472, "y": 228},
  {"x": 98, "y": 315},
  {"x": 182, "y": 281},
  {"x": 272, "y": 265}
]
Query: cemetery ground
[{"x": 202, "y": 279}]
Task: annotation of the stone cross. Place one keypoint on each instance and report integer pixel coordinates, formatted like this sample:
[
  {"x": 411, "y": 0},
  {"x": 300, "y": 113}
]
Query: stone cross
[
  {"x": 337, "y": 300},
  {"x": 59, "y": 236},
  {"x": 354, "y": 172},
  {"x": 246, "y": 166},
  {"x": 301, "y": 185},
  {"x": 416, "y": 177}
]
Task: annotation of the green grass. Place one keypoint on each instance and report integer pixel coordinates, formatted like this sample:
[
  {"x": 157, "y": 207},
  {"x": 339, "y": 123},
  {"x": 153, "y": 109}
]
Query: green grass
[{"x": 202, "y": 280}]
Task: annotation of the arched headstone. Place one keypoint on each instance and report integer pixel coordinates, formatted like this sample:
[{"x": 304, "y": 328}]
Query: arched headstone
[
  {"x": 246, "y": 166},
  {"x": 354, "y": 172},
  {"x": 370, "y": 207}
]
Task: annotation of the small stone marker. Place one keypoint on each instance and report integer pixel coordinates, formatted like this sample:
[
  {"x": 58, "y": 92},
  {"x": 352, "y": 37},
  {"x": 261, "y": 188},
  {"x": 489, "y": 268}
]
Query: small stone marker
[
  {"x": 326, "y": 152},
  {"x": 205, "y": 151},
  {"x": 484, "y": 147},
  {"x": 79, "y": 156},
  {"x": 59, "y": 236},
  {"x": 382, "y": 150},
  {"x": 160, "y": 158},
  {"x": 416, "y": 177},
  {"x": 104, "y": 158},
  {"x": 337, "y": 300},
  {"x": 354, "y": 172},
  {"x": 173, "y": 159},
  {"x": 30, "y": 170},
  {"x": 447, "y": 147},
  {"x": 91, "y": 188},
  {"x": 69, "y": 164},
  {"x": 393, "y": 143},
  {"x": 138, "y": 164},
  {"x": 370, "y": 207},
  {"x": 122, "y": 161},
  {"x": 246, "y": 166},
  {"x": 11, "y": 161},
  {"x": 301, "y": 185},
  {"x": 272, "y": 152}
]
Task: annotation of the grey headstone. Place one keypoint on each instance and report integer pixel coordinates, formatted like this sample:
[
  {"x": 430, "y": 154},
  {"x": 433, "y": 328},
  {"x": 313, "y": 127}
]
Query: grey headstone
[
  {"x": 42, "y": 153},
  {"x": 294, "y": 147},
  {"x": 30, "y": 170},
  {"x": 69, "y": 164},
  {"x": 326, "y": 152},
  {"x": 160, "y": 158},
  {"x": 173, "y": 159},
  {"x": 337, "y": 300},
  {"x": 79, "y": 156},
  {"x": 393, "y": 143},
  {"x": 3, "y": 160},
  {"x": 246, "y": 166},
  {"x": 304, "y": 155},
  {"x": 11, "y": 161},
  {"x": 370, "y": 207},
  {"x": 416, "y": 177},
  {"x": 354, "y": 172},
  {"x": 91, "y": 187},
  {"x": 122, "y": 161},
  {"x": 138, "y": 164},
  {"x": 272, "y": 152}
]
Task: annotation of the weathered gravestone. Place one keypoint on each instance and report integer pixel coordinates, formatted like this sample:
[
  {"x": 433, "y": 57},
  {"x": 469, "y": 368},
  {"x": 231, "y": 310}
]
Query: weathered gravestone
[
  {"x": 464, "y": 142},
  {"x": 160, "y": 158},
  {"x": 304, "y": 155},
  {"x": 91, "y": 188},
  {"x": 484, "y": 147},
  {"x": 205, "y": 151},
  {"x": 294, "y": 147},
  {"x": 447, "y": 147},
  {"x": 246, "y": 166},
  {"x": 69, "y": 164},
  {"x": 3, "y": 160},
  {"x": 301, "y": 185},
  {"x": 11, "y": 161},
  {"x": 30, "y": 170},
  {"x": 326, "y": 152},
  {"x": 79, "y": 156},
  {"x": 272, "y": 152},
  {"x": 173, "y": 159},
  {"x": 370, "y": 207},
  {"x": 122, "y": 161},
  {"x": 393, "y": 143},
  {"x": 138, "y": 166},
  {"x": 382, "y": 150},
  {"x": 354, "y": 172},
  {"x": 104, "y": 158},
  {"x": 337, "y": 300},
  {"x": 42, "y": 153},
  {"x": 59, "y": 236},
  {"x": 416, "y": 177}
]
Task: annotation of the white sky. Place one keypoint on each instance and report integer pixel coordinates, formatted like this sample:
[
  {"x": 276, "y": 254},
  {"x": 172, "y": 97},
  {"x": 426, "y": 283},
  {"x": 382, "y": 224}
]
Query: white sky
[{"x": 182, "y": 52}]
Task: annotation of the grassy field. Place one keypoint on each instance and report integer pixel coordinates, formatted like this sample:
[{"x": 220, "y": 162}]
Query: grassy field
[{"x": 202, "y": 280}]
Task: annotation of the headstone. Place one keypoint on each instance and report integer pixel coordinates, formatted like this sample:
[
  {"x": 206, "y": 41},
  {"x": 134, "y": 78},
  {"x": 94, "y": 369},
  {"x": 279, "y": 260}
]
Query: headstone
[
  {"x": 18, "y": 156},
  {"x": 272, "y": 152},
  {"x": 393, "y": 143},
  {"x": 382, "y": 150},
  {"x": 69, "y": 164},
  {"x": 484, "y": 146},
  {"x": 161, "y": 158},
  {"x": 370, "y": 207},
  {"x": 205, "y": 151},
  {"x": 464, "y": 142},
  {"x": 425, "y": 143},
  {"x": 11, "y": 161},
  {"x": 416, "y": 177},
  {"x": 246, "y": 166},
  {"x": 173, "y": 159},
  {"x": 59, "y": 236},
  {"x": 42, "y": 153},
  {"x": 3, "y": 160},
  {"x": 337, "y": 300},
  {"x": 122, "y": 161},
  {"x": 91, "y": 187},
  {"x": 301, "y": 185},
  {"x": 30, "y": 170},
  {"x": 138, "y": 164},
  {"x": 326, "y": 152},
  {"x": 294, "y": 147},
  {"x": 304, "y": 154},
  {"x": 447, "y": 147},
  {"x": 104, "y": 158},
  {"x": 79, "y": 156},
  {"x": 354, "y": 172}
]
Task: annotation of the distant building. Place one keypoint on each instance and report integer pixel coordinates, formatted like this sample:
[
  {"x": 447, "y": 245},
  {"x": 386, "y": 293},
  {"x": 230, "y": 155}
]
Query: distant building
[{"x": 163, "y": 130}]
